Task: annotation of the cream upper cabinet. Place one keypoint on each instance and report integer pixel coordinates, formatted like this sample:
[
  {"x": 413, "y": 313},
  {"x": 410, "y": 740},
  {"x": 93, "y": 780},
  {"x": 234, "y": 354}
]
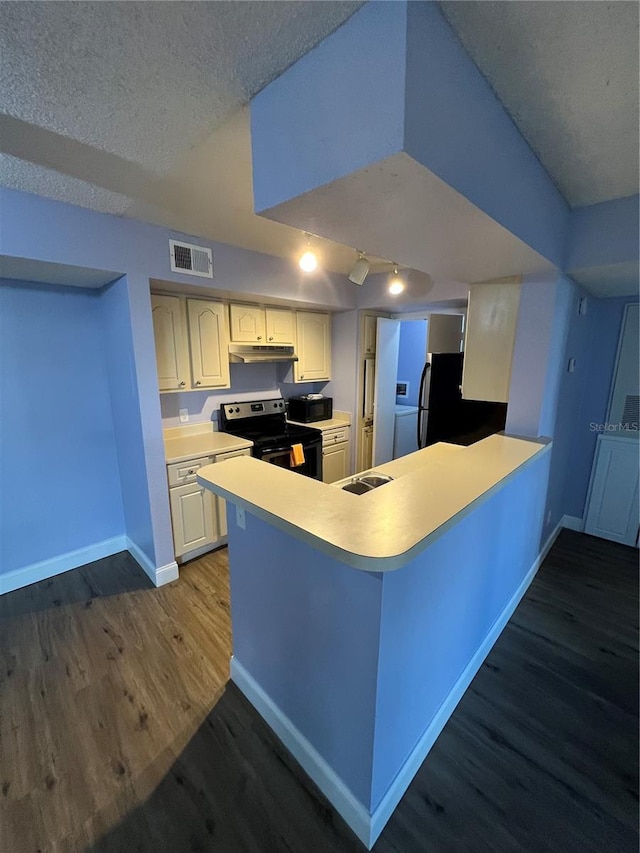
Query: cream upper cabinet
[
  {"x": 370, "y": 329},
  {"x": 279, "y": 325},
  {"x": 208, "y": 341},
  {"x": 489, "y": 341},
  {"x": 313, "y": 347},
  {"x": 248, "y": 324},
  {"x": 172, "y": 357}
]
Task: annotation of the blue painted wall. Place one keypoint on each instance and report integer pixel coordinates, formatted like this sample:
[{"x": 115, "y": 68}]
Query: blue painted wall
[
  {"x": 532, "y": 383},
  {"x": 437, "y": 611},
  {"x": 306, "y": 629},
  {"x": 582, "y": 397},
  {"x": 337, "y": 109},
  {"x": 411, "y": 358},
  {"x": 604, "y": 234},
  {"x": 248, "y": 382},
  {"x": 58, "y": 461},
  {"x": 125, "y": 409}
]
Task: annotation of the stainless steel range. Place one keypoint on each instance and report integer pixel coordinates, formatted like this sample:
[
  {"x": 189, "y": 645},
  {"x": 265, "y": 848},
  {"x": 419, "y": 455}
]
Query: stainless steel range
[{"x": 264, "y": 422}]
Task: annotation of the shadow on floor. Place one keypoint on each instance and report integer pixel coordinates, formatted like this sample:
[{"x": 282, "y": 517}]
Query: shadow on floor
[
  {"x": 233, "y": 788},
  {"x": 118, "y": 574}
]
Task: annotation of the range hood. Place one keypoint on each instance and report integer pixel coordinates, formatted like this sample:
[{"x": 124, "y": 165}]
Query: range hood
[{"x": 254, "y": 353}]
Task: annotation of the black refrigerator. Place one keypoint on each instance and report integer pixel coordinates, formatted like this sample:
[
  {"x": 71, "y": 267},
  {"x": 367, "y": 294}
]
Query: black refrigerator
[{"x": 442, "y": 413}]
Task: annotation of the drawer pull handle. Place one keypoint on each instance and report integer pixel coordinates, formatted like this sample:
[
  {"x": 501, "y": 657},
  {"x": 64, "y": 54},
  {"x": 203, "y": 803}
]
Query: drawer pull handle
[
  {"x": 191, "y": 471},
  {"x": 182, "y": 384}
]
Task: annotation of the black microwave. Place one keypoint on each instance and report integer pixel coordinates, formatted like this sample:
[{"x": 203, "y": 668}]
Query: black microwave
[{"x": 308, "y": 409}]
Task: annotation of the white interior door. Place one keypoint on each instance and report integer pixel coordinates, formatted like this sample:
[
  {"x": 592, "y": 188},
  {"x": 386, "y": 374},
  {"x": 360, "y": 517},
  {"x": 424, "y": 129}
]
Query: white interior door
[{"x": 384, "y": 401}]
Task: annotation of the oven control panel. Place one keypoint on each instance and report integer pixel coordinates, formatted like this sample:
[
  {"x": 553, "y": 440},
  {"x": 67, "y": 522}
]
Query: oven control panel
[{"x": 252, "y": 409}]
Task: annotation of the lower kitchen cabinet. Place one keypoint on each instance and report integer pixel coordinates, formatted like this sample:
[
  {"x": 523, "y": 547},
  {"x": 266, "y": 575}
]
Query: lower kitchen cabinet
[
  {"x": 335, "y": 463},
  {"x": 336, "y": 454},
  {"x": 221, "y": 504},
  {"x": 366, "y": 447},
  {"x": 198, "y": 517},
  {"x": 194, "y": 518}
]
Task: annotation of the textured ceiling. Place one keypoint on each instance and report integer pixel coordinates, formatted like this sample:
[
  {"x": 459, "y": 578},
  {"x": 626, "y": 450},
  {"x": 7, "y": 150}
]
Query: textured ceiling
[
  {"x": 149, "y": 80},
  {"x": 125, "y": 107},
  {"x": 567, "y": 73}
]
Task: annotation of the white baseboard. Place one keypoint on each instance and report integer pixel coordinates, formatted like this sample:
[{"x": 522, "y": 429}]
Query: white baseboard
[
  {"x": 368, "y": 826},
  {"x": 331, "y": 785},
  {"x": 62, "y": 563},
  {"x": 159, "y": 576},
  {"x": 572, "y": 522}
]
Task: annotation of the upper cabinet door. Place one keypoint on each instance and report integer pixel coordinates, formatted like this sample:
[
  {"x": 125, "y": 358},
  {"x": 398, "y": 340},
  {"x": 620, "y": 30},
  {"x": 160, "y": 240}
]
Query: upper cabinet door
[
  {"x": 279, "y": 326},
  {"x": 209, "y": 344},
  {"x": 172, "y": 358},
  {"x": 247, "y": 324},
  {"x": 313, "y": 347},
  {"x": 370, "y": 331},
  {"x": 490, "y": 337}
]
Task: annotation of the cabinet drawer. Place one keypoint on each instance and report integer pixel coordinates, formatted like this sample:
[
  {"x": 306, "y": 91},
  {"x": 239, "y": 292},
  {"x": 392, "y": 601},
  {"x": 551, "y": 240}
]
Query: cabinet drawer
[
  {"x": 231, "y": 454},
  {"x": 185, "y": 472},
  {"x": 335, "y": 436}
]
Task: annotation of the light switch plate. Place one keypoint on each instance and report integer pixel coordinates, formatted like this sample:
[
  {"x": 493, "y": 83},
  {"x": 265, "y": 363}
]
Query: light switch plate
[{"x": 184, "y": 416}]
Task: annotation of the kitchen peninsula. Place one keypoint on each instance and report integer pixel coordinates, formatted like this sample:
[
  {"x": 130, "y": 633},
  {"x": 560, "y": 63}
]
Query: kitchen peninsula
[{"x": 359, "y": 620}]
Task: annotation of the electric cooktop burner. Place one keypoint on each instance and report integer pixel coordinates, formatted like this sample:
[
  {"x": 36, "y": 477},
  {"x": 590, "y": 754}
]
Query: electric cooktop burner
[{"x": 264, "y": 422}]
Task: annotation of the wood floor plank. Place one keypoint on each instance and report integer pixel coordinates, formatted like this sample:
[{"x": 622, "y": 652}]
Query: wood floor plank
[{"x": 120, "y": 732}]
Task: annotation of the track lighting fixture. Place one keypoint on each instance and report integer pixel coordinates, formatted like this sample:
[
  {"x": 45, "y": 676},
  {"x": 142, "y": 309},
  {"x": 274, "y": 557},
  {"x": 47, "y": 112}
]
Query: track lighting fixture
[
  {"x": 360, "y": 270},
  {"x": 308, "y": 261},
  {"x": 396, "y": 284}
]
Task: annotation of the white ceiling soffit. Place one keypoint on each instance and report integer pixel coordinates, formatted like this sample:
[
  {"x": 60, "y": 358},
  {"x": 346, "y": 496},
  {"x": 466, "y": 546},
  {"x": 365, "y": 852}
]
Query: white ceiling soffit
[
  {"x": 43, "y": 272},
  {"x": 404, "y": 212},
  {"x": 567, "y": 73}
]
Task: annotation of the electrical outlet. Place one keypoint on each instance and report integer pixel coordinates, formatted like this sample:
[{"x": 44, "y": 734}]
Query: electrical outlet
[
  {"x": 241, "y": 520},
  {"x": 548, "y": 516},
  {"x": 184, "y": 416},
  {"x": 572, "y": 365}
]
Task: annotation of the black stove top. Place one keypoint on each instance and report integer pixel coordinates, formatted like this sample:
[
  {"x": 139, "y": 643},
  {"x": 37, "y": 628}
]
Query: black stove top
[{"x": 264, "y": 422}]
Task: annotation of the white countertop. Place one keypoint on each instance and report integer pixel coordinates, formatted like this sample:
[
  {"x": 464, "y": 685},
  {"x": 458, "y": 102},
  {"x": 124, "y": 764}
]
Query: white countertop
[
  {"x": 339, "y": 419},
  {"x": 207, "y": 442},
  {"x": 384, "y": 529}
]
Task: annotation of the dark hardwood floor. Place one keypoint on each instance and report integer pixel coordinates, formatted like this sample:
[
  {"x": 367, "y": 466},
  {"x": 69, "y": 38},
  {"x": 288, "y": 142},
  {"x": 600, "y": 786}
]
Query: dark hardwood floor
[{"x": 119, "y": 731}]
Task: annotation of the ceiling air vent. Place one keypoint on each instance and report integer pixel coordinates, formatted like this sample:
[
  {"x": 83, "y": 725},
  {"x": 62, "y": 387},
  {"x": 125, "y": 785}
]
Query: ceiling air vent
[{"x": 193, "y": 260}]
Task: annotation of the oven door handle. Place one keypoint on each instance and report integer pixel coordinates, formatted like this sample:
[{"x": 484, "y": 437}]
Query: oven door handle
[{"x": 268, "y": 451}]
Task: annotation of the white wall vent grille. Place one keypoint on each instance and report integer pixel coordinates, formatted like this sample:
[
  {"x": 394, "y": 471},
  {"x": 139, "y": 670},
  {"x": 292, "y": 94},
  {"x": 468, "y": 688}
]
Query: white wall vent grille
[{"x": 193, "y": 260}]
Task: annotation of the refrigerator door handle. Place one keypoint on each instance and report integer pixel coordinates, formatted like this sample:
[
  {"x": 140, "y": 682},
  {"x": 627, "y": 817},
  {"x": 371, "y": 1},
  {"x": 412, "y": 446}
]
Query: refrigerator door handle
[{"x": 421, "y": 403}]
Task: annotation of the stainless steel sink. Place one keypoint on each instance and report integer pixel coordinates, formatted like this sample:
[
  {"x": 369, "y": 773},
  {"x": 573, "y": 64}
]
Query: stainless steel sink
[{"x": 366, "y": 483}]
